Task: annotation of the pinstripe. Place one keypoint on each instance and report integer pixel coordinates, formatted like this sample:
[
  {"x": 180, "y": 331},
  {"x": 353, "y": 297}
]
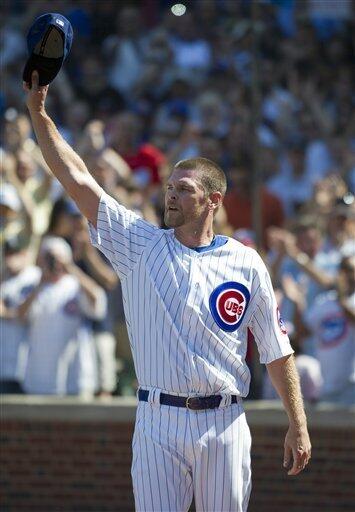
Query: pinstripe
[
  {"x": 141, "y": 493},
  {"x": 141, "y": 339},
  {"x": 199, "y": 443},
  {"x": 149, "y": 480},
  {"x": 162, "y": 454},
  {"x": 179, "y": 347},
  {"x": 188, "y": 489},
  {"x": 184, "y": 451},
  {"x": 215, "y": 467},
  {"x": 199, "y": 379},
  {"x": 157, "y": 481},
  {"x": 172, "y": 464},
  {"x": 202, "y": 337},
  {"x": 232, "y": 458},
  {"x": 224, "y": 460},
  {"x": 240, "y": 444},
  {"x": 225, "y": 278},
  {"x": 185, "y": 488},
  {"x": 169, "y": 350},
  {"x": 176, "y": 444},
  {"x": 162, "y": 328},
  {"x": 134, "y": 461},
  {"x": 150, "y": 379},
  {"x": 124, "y": 244}
]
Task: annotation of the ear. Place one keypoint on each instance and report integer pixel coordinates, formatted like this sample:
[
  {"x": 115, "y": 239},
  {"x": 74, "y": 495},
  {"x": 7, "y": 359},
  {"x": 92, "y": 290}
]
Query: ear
[{"x": 214, "y": 201}]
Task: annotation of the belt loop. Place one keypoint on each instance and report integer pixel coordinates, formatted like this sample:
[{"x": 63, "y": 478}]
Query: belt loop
[
  {"x": 226, "y": 401},
  {"x": 154, "y": 396}
]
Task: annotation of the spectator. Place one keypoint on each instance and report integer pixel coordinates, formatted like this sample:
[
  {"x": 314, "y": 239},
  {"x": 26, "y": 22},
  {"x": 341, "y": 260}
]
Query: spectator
[
  {"x": 309, "y": 370},
  {"x": 191, "y": 51},
  {"x": 12, "y": 221},
  {"x": 96, "y": 266},
  {"x": 94, "y": 90},
  {"x": 146, "y": 161},
  {"x": 332, "y": 319},
  {"x": 238, "y": 201},
  {"x": 62, "y": 357},
  {"x": 124, "y": 51},
  {"x": 18, "y": 280},
  {"x": 292, "y": 185}
]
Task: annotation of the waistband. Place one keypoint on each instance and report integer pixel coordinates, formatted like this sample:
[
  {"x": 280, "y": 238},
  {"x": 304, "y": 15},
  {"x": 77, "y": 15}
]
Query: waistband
[{"x": 195, "y": 403}]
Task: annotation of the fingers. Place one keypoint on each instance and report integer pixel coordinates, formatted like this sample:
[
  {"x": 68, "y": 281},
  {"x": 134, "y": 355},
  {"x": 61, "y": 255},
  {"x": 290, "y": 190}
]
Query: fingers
[
  {"x": 34, "y": 85},
  {"x": 300, "y": 460},
  {"x": 287, "y": 456},
  {"x": 298, "y": 463},
  {"x": 35, "y": 80}
]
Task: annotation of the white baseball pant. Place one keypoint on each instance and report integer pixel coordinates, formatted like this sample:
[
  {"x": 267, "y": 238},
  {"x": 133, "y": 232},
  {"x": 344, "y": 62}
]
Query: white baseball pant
[{"x": 179, "y": 453}]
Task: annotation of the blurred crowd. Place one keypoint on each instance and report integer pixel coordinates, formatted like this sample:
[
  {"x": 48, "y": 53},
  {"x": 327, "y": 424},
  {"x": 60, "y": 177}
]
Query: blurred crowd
[{"x": 142, "y": 89}]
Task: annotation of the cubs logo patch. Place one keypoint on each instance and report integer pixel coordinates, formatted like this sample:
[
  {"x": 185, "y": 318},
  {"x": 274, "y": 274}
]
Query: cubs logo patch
[
  {"x": 280, "y": 322},
  {"x": 333, "y": 330},
  {"x": 228, "y": 304},
  {"x": 72, "y": 308}
]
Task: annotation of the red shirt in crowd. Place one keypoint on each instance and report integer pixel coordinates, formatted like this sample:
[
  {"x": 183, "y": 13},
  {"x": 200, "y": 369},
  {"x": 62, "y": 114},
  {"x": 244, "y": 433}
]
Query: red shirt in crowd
[
  {"x": 148, "y": 158},
  {"x": 239, "y": 210}
]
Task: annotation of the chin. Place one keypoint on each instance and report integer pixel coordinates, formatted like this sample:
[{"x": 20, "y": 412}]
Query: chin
[{"x": 173, "y": 222}]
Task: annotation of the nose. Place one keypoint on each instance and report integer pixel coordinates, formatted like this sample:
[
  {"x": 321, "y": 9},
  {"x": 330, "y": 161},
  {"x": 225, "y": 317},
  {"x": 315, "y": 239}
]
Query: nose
[{"x": 171, "y": 195}]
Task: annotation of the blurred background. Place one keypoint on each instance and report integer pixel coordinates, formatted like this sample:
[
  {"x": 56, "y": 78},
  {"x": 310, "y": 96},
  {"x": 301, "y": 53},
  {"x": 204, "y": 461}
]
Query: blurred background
[{"x": 265, "y": 90}]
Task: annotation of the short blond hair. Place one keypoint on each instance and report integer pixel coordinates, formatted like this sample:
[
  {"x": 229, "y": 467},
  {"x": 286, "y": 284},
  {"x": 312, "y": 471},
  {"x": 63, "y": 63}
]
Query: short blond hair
[{"x": 212, "y": 176}]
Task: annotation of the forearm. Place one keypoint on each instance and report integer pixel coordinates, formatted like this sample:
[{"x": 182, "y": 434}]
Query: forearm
[
  {"x": 89, "y": 286},
  {"x": 102, "y": 272},
  {"x": 66, "y": 165},
  {"x": 24, "y": 308},
  {"x": 306, "y": 264},
  {"x": 284, "y": 376},
  {"x": 275, "y": 267}
]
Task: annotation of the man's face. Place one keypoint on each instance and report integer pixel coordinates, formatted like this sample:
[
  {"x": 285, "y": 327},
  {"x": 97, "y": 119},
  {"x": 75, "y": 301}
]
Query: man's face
[
  {"x": 15, "y": 261},
  {"x": 50, "y": 265},
  {"x": 25, "y": 166},
  {"x": 309, "y": 241},
  {"x": 185, "y": 199}
]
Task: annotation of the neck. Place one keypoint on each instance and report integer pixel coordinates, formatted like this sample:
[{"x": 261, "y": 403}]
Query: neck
[
  {"x": 54, "y": 278},
  {"x": 196, "y": 237}
]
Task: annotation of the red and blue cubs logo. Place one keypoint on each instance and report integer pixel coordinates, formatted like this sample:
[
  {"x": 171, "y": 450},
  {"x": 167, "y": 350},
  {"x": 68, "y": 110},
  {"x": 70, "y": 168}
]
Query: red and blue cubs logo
[{"x": 228, "y": 304}]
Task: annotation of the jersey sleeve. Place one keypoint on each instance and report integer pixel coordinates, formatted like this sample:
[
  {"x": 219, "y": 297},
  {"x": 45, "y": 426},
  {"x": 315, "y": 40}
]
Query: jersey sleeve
[
  {"x": 121, "y": 235},
  {"x": 266, "y": 324}
]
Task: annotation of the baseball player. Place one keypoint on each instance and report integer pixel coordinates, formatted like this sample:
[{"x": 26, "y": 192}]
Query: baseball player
[{"x": 189, "y": 298}]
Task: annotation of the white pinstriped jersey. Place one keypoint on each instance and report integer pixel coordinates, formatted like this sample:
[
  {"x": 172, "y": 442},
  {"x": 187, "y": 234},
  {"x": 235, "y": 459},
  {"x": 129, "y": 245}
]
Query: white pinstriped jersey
[{"x": 187, "y": 312}]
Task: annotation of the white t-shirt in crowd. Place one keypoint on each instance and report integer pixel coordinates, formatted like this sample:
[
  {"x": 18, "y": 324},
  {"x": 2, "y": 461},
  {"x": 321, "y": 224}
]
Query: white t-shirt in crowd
[
  {"x": 62, "y": 358},
  {"x": 335, "y": 341},
  {"x": 14, "y": 334}
]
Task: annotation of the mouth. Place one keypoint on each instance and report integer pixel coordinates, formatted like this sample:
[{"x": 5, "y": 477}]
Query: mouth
[{"x": 172, "y": 209}]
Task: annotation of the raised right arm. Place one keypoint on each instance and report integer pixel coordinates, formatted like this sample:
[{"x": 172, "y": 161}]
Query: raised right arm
[{"x": 65, "y": 164}]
